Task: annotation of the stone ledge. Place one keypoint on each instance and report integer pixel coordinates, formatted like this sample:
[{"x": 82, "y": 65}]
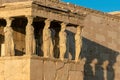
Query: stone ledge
[
  {"x": 72, "y": 8},
  {"x": 38, "y": 58}
]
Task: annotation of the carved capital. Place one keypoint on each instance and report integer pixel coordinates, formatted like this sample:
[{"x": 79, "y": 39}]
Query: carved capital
[
  {"x": 79, "y": 29},
  {"x": 63, "y": 26},
  {"x": 9, "y": 21},
  {"x": 30, "y": 19},
  {"x": 47, "y": 23}
]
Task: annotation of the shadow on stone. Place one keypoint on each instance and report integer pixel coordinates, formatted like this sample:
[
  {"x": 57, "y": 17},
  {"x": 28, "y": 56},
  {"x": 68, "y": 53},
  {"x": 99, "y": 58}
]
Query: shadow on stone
[{"x": 92, "y": 50}]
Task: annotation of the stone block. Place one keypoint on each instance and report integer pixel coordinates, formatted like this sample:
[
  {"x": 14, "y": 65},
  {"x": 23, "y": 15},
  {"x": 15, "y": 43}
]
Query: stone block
[
  {"x": 75, "y": 67},
  {"x": 13, "y": 70},
  {"x": 62, "y": 72},
  {"x": 100, "y": 38},
  {"x": 75, "y": 75},
  {"x": 49, "y": 70},
  {"x": 1, "y": 70},
  {"x": 25, "y": 69},
  {"x": 59, "y": 65},
  {"x": 36, "y": 69}
]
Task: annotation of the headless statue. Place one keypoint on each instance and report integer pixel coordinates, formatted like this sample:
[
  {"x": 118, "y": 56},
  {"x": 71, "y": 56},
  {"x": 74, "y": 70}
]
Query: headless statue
[
  {"x": 62, "y": 41},
  {"x": 30, "y": 39},
  {"x": 9, "y": 43},
  {"x": 78, "y": 43},
  {"x": 47, "y": 40}
]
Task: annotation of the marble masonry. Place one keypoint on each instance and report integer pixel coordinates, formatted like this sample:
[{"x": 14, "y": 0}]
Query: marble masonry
[{"x": 53, "y": 40}]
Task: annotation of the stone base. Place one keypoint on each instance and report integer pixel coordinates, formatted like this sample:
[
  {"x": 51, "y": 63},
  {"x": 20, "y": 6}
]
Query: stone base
[{"x": 36, "y": 68}]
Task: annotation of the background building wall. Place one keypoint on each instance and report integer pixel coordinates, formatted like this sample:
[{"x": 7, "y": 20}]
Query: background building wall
[{"x": 101, "y": 41}]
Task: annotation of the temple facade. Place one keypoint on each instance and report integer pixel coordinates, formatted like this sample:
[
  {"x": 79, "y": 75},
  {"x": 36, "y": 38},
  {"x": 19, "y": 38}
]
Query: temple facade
[{"x": 53, "y": 40}]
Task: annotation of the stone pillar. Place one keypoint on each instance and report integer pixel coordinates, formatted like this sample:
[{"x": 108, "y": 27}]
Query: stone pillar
[
  {"x": 47, "y": 40},
  {"x": 78, "y": 43},
  {"x": 62, "y": 41},
  {"x": 2, "y": 50},
  {"x": 30, "y": 38},
  {"x": 9, "y": 43}
]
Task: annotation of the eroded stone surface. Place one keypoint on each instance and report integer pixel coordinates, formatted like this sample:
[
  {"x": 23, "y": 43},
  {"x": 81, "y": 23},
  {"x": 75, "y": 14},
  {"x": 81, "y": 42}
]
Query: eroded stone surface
[
  {"x": 75, "y": 75},
  {"x": 36, "y": 69},
  {"x": 14, "y": 69},
  {"x": 49, "y": 70},
  {"x": 2, "y": 70},
  {"x": 62, "y": 72}
]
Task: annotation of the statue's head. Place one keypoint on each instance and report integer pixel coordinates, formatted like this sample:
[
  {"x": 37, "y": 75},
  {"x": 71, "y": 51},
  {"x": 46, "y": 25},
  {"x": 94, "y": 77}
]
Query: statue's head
[
  {"x": 30, "y": 20},
  {"x": 47, "y": 23},
  {"x": 79, "y": 29},
  {"x": 9, "y": 21},
  {"x": 63, "y": 26}
]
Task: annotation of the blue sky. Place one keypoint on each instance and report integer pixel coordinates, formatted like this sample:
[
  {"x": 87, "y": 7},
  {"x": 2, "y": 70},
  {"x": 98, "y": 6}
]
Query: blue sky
[{"x": 101, "y": 5}]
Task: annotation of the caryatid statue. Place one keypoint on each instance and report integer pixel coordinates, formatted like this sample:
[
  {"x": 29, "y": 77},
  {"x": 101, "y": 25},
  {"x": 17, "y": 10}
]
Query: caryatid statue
[
  {"x": 47, "y": 40},
  {"x": 30, "y": 38},
  {"x": 62, "y": 41},
  {"x": 9, "y": 42},
  {"x": 78, "y": 43}
]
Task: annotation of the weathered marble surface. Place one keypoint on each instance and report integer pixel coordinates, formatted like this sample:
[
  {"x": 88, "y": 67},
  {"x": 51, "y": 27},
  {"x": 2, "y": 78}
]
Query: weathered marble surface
[{"x": 36, "y": 68}]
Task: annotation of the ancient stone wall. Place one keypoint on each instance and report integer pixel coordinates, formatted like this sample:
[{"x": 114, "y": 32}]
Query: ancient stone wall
[
  {"x": 10, "y": 1},
  {"x": 100, "y": 45},
  {"x": 14, "y": 68},
  {"x": 101, "y": 42},
  {"x": 36, "y": 68}
]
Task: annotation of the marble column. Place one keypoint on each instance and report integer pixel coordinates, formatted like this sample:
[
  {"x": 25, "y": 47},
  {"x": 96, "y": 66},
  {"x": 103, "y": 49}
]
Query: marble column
[
  {"x": 62, "y": 41},
  {"x": 47, "y": 40},
  {"x": 9, "y": 42},
  {"x": 78, "y": 42},
  {"x": 30, "y": 38}
]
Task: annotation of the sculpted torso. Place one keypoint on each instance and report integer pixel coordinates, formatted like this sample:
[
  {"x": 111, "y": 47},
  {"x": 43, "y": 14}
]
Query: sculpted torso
[
  {"x": 47, "y": 40},
  {"x": 78, "y": 43},
  {"x": 78, "y": 40},
  {"x": 9, "y": 43},
  {"x": 62, "y": 41},
  {"x": 30, "y": 39},
  {"x": 46, "y": 35}
]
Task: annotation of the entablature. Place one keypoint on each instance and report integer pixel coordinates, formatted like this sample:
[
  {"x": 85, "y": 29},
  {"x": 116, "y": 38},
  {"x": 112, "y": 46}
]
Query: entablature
[{"x": 33, "y": 8}]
